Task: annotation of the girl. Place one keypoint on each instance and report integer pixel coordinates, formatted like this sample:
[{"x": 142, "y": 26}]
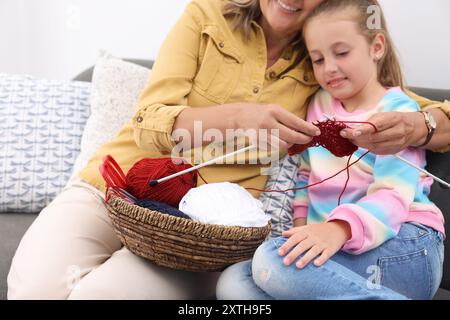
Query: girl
[{"x": 385, "y": 241}]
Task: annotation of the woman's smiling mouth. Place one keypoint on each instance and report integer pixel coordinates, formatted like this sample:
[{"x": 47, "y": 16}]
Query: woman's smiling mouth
[{"x": 287, "y": 7}]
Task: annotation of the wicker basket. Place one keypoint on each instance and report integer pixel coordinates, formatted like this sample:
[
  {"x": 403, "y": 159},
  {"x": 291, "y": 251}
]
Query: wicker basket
[{"x": 179, "y": 243}]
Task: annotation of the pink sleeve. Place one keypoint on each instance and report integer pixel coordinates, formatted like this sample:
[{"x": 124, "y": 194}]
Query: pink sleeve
[
  {"x": 348, "y": 214},
  {"x": 300, "y": 212}
]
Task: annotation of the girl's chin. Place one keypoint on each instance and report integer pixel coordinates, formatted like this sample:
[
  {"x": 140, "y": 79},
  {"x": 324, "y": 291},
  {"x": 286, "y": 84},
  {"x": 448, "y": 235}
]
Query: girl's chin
[
  {"x": 343, "y": 93},
  {"x": 342, "y": 96}
]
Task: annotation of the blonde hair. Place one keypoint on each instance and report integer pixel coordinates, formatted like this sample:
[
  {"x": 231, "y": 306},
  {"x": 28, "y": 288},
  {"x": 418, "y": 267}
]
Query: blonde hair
[
  {"x": 389, "y": 70},
  {"x": 243, "y": 11}
]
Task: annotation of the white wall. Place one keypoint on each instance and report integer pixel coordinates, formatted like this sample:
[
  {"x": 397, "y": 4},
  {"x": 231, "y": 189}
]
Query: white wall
[
  {"x": 59, "y": 38},
  {"x": 421, "y": 32}
]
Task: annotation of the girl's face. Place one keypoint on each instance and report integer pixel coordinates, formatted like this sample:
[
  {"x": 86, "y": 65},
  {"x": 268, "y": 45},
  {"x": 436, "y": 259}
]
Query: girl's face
[
  {"x": 286, "y": 17},
  {"x": 344, "y": 62}
]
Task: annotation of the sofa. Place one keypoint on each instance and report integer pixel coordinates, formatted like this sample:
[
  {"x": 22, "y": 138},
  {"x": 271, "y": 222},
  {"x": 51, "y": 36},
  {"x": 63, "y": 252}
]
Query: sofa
[{"x": 14, "y": 225}]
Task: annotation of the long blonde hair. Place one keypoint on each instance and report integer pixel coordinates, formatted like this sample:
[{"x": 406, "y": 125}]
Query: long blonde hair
[
  {"x": 243, "y": 12},
  {"x": 389, "y": 70}
]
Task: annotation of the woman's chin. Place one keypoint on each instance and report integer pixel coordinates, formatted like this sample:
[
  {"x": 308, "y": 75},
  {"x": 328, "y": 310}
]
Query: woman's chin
[
  {"x": 284, "y": 28},
  {"x": 284, "y": 23}
]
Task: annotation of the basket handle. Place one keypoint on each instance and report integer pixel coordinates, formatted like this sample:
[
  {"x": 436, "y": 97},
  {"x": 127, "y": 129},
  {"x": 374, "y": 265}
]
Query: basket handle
[
  {"x": 112, "y": 173},
  {"x": 114, "y": 178}
]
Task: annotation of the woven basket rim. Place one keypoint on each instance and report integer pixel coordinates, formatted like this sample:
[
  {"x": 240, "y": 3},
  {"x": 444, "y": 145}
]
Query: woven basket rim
[{"x": 118, "y": 206}]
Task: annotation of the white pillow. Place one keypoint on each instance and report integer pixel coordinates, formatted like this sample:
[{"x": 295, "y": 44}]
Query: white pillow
[{"x": 116, "y": 87}]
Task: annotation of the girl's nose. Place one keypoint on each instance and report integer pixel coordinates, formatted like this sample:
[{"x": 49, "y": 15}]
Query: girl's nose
[{"x": 330, "y": 66}]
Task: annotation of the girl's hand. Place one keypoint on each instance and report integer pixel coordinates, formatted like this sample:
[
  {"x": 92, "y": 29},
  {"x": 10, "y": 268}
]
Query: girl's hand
[
  {"x": 263, "y": 118},
  {"x": 396, "y": 132},
  {"x": 323, "y": 240}
]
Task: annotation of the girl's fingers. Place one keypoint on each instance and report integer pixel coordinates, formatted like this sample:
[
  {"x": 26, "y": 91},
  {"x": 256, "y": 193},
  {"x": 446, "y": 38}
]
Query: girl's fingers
[
  {"x": 324, "y": 257},
  {"x": 290, "y": 232},
  {"x": 297, "y": 251},
  {"x": 291, "y": 242},
  {"x": 311, "y": 254}
]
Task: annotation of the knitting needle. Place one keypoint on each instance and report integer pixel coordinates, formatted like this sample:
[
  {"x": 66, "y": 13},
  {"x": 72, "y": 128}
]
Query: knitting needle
[
  {"x": 207, "y": 163},
  {"x": 423, "y": 170},
  {"x": 410, "y": 163},
  {"x": 126, "y": 194},
  {"x": 328, "y": 117}
]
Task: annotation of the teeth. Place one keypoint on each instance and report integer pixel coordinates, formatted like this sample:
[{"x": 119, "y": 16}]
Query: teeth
[{"x": 285, "y": 6}]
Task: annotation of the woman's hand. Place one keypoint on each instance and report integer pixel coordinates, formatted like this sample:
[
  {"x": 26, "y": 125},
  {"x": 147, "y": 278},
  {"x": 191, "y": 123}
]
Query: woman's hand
[
  {"x": 396, "y": 131},
  {"x": 262, "y": 119},
  {"x": 323, "y": 240}
]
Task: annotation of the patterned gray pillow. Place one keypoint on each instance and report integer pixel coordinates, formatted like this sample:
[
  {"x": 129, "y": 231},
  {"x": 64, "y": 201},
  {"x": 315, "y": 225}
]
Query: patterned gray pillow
[
  {"x": 41, "y": 124},
  {"x": 278, "y": 205}
]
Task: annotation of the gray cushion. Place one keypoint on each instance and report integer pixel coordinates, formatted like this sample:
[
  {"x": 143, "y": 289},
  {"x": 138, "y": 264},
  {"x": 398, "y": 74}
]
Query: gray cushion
[{"x": 12, "y": 228}]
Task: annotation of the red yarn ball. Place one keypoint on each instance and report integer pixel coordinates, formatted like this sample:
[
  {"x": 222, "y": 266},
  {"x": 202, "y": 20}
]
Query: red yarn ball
[{"x": 170, "y": 191}]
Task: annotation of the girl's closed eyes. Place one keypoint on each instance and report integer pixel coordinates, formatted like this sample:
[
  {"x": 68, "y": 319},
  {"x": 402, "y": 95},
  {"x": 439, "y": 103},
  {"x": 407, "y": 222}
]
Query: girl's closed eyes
[{"x": 319, "y": 61}]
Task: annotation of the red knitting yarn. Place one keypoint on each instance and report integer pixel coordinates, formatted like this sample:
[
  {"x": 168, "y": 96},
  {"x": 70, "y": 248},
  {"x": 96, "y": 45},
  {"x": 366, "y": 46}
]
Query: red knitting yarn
[
  {"x": 170, "y": 191},
  {"x": 330, "y": 139}
]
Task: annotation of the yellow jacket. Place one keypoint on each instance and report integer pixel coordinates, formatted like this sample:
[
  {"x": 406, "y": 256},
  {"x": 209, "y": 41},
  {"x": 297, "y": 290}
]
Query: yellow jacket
[{"x": 203, "y": 62}]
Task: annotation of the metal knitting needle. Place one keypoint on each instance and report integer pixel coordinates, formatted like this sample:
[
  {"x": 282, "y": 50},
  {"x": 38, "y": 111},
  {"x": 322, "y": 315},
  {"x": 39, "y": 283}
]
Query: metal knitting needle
[
  {"x": 423, "y": 170},
  {"x": 207, "y": 163},
  {"x": 127, "y": 194},
  {"x": 332, "y": 118},
  {"x": 409, "y": 163}
]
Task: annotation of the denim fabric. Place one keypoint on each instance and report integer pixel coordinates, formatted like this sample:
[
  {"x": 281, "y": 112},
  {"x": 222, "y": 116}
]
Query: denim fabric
[{"x": 408, "y": 266}]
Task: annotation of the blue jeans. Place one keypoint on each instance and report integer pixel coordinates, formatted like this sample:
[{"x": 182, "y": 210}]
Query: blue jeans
[{"x": 408, "y": 266}]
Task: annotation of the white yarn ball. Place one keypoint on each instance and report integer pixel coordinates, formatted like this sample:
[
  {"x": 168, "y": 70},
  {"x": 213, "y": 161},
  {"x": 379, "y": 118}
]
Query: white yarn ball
[{"x": 224, "y": 203}]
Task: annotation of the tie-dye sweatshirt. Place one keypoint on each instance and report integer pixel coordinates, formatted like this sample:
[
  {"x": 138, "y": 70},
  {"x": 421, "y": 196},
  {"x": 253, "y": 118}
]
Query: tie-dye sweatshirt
[{"x": 383, "y": 191}]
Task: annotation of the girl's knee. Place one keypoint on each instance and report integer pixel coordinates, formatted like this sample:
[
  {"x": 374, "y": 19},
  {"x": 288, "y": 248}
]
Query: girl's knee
[
  {"x": 266, "y": 261},
  {"x": 267, "y": 253},
  {"x": 231, "y": 279}
]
